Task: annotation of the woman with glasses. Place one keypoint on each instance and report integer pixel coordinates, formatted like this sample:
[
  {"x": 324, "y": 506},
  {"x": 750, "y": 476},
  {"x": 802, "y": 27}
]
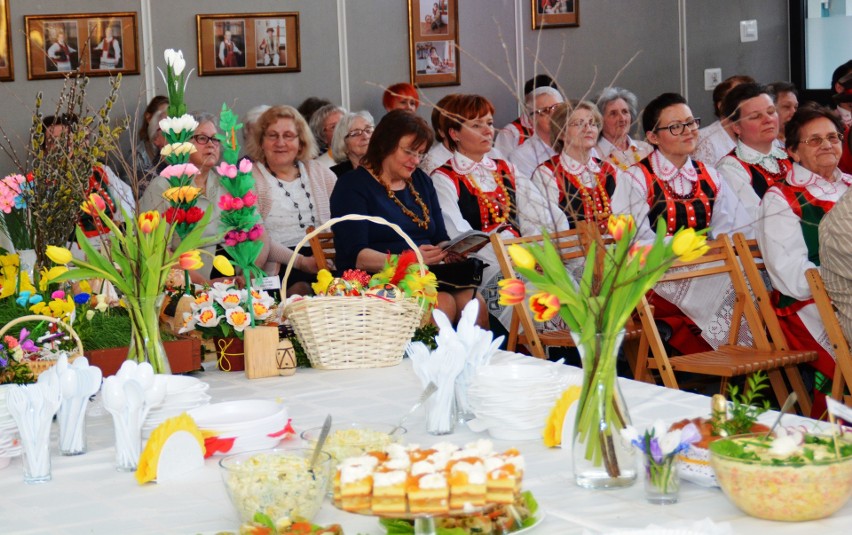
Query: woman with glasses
[
  {"x": 350, "y": 141},
  {"x": 293, "y": 190},
  {"x": 540, "y": 103},
  {"x": 574, "y": 185},
  {"x": 787, "y": 229},
  {"x": 390, "y": 185},
  {"x": 669, "y": 186},
  {"x": 205, "y": 158},
  {"x": 757, "y": 163}
]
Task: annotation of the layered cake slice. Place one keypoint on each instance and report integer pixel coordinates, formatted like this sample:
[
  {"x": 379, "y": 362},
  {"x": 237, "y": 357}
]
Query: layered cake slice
[
  {"x": 467, "y": 483},
  {"x": 389, "y": 492},
  {"x": 356, "y": 482},
  {"x": 428, "y": 493}
]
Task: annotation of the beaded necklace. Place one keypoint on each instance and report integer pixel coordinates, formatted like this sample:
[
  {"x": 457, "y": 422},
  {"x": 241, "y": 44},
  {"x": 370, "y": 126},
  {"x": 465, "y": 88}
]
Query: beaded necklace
[
  {"x": 499, "y": 210},
  {"x": 595, "y": 200},
  {"x": 420, "y": 222},
  {"x": 295, "y": 204},
  {"x": 623, "y": 163}
]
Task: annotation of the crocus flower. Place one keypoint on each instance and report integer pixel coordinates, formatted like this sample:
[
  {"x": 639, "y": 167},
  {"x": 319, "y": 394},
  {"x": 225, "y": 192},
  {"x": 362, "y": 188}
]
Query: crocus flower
[
  {"x": 617, "y": 225},
  {"x": 174, "y": 59},
  {"x": 544, "y": 306},
  {"x": 191, "y": 260},
  {"x": 149, "y": 221},
  {"x": 227, "y": 170},
  {"x": 521, "y": 257},
  {"x": 94, "y": 204},
  {"x": 223, "y": 265},
  {"x": 58, "y": 255},
  {"x": 512, "y": 292},
  {"x": 688, "y": 245}
]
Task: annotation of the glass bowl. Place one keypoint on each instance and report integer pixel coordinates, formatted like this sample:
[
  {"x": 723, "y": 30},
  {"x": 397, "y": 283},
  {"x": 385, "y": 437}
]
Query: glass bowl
[
  {"x": 277, "y": 482},
  {"x": 354, "y": 438},
  {"x": 790, "y": 491}
]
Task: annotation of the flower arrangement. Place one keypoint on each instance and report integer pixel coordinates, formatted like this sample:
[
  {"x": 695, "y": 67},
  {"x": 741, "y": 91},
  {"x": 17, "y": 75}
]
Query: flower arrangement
[
  {"x": 222, "y": 310},
  {"x": 596, "y": 309},
  {"x": 13, "y": 368},
  {"x": 659, "y": 450}
]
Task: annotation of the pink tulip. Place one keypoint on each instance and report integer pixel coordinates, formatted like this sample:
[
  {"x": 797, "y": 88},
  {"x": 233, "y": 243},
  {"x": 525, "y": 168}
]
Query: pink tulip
[
  {"x": 245, "y": 165},
  {"x": 255, "y": 233},
  {"x": 236, "y": 204},
  {"x": 226, "y": 169},
  {"x": 249, "y": 199},
  {"x": 225, "y": 201}
]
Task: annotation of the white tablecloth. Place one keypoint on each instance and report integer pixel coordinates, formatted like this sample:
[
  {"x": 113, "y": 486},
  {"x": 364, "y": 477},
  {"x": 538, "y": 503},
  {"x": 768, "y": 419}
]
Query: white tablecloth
[{"x": 87, "y": 495}]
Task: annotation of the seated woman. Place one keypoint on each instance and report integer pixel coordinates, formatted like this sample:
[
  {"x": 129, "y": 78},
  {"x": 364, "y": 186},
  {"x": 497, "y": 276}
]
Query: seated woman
[
  {"x": 574, "y": 185},
  {"x": 618, "y": 109},
  {"x": 322, "y": 124},
  {"x": 390, "y": 185},
  {"x": 205, "y": 158},
  {"x": 401, "y": 96},
  {"x": 787, "y": 229},
  {"x": 350, "y": 140},
  {"x": 145, "y": 156},
  {"x": 756, "y": 164},
  {"x": 685, "y": 193},
  {"x": 289, "y": 179},
  {"x": 475, "y": 191}
]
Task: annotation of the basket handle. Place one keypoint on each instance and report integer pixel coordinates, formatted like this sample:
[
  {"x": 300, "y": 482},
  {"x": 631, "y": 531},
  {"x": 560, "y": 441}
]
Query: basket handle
[
  {"x": 36, "y": 317},
  {"x": 350, "y": 217}
]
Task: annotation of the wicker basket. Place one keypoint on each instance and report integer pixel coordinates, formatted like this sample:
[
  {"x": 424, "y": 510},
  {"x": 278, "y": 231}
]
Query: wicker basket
[
  {"x": 354, "y": 332},
  {"x": 41, "y": 365}
]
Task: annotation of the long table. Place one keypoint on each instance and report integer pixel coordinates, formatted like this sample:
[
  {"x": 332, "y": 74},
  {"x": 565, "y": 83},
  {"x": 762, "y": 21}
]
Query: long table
[{"x": 88, "y": 496}]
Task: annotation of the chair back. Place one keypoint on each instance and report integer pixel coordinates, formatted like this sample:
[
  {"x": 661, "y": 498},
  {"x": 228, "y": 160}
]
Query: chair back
[
  {"x": 842, "y": 355},
  {"x": 322, "y": 246}
]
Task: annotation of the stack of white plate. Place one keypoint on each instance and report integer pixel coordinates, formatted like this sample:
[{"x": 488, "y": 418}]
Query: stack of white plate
[
  {"x": 513, "y": 401},
  {"x": 10, "y": 444},
  {"x": 244, "y": 425},
  {"x": 183, "y": 393}
]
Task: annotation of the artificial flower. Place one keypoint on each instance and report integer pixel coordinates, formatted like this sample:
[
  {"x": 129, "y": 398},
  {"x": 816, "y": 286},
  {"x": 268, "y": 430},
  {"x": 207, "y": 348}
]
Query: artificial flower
[
  {"x": 93, "y": 205},
  {"x": 58, "y": 255},
  {"x": 193, "y": 215},
  {"x": 191, "y": 260},
  {"x": 149, "y": 221},
  {"x": 617, "y": 225},
  {"x": 261, "y": 311},
  {"x": 178, "y": 149},
  {"x": 544, "y": 306},
  {"x": 245, "y": 165},
  {"x": 689, "y": 245},
  {"x": 90, "y": 314},
  {"x": 238, "y": 318},
  {"x": 324, "y": 278},
  {"x": 174, "y": 59},
  {"x": 512, "y": 292},
  {"x": 182, "y": 194},
  {"x": 230, "y": 299},
  {"x": 82, "y": 298},
  {"x": 179, "y": 170},
  {"x": 223, "y": 265},
  {"x": 58, "y": 294},
  {"x": 255, "y": 232},
  {"x": 174, "y": 215},
  {"x": 521, "y": 257},
  {"x": 184, "y": 123},
  {"x": 249, "y": 199},
  {"x": 207, "y": 317},
  {"x": 227, "y": 170}
]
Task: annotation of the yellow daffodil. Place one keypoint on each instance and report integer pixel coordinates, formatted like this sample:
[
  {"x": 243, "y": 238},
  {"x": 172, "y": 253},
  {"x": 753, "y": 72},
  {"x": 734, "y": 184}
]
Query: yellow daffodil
[
  {"x": 688, "y": 245},
  {"x": 182, "y": 194},
  {"x": 223, "y": 265},
  {"x": 617, "y": 225},
  {"x": 149, "y": 221},
  {"x": 544, "y": 306},
  {"x": 58, "y": 255},
  {"x": 324, "y": 278},
  {"x": 191, "y": 260},
  {"x": 521, "y": 257},
  {"x": 512, "y": 292}
]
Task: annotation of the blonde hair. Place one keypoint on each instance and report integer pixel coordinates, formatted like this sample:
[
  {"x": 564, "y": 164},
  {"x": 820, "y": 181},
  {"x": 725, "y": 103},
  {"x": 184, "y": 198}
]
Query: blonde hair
[{"x": 307, "y": 143}]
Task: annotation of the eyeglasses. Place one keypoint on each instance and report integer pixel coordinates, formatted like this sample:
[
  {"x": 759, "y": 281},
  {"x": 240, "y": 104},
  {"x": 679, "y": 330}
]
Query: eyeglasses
[
  {"x": 413, "y": 153},
  {"x": 547, "y": 110},
  {"x": 273, "y": 137},
  {"x": 677, "y": 129},
  {"x": 201, "y": 139},
  {"x": 583, "y": 124},
  {"x": 359, "y": 132},
  {"x": 817, "y": 141}
]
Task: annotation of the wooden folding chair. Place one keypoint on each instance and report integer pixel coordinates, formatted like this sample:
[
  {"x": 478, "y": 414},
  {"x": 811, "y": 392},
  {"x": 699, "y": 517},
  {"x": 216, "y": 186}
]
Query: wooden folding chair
[
  {"x": 729, "y": 360},
  {"x": 322, "y": 246},
  {"x": 842, "y": 355},
  {"x": 572, "y": 245}
]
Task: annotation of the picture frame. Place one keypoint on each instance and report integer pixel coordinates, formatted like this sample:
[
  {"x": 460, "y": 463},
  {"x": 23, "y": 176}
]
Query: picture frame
[
  {"x": 93, "y": 44},
  {"x": 7, "y": 67},
  {"x": 554, "y": 13},
  {"x": 248, "y": 43},
  {"x": 433, "y": 37}
]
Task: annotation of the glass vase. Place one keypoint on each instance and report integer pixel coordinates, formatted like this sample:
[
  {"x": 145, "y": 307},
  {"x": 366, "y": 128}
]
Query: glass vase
[
  {"x": 602, "y": 458},
  {"x": 146, "y": 343},
  {"x": 662, "y": 481}
]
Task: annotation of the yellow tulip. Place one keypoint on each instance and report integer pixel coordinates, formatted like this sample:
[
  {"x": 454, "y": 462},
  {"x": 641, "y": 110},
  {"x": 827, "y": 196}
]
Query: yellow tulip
[
  {"x": 512, "y": 292},
  {"x": 617, "y": 225},
  {"x": 688, "y": 245},
  {"x": 149, "y": 221},
  {"x": 191, "y": 260},
  {"x": 521, "y": 257},
  {"x": 544, "y": 306},
  {"x": 223, "y": 265},
  {"x": 59, "y": 255},
  {"x": 54, "y": 272},
  {"x": 181, "y": 194}
]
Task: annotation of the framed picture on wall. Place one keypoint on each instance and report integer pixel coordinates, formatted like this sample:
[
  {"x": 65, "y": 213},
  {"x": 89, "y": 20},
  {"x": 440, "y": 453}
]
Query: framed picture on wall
[
  {"x": 555, "y": 13},
  {"x": 7, "y": 70},
  {"x": 94, "y": 44},
  {"x": 433, "y": 33},
  {"x": 248, "y": 43}
]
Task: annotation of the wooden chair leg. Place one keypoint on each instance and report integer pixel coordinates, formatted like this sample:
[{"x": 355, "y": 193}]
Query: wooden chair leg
[
  {"x": 779, "y": 386},
  {"x": 795, "y": 378},
  {"x": 512, "y": 340},
  {"x": 641, "y": 372}
]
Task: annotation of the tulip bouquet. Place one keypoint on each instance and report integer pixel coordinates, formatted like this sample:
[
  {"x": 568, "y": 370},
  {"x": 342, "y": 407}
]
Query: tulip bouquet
[{"x": 596, "y": 310}]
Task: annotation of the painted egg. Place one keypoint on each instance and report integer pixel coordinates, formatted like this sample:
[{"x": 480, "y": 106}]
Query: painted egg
[
  {"x": 338, "y": 287},
  {"x": 386, "y": 291}
]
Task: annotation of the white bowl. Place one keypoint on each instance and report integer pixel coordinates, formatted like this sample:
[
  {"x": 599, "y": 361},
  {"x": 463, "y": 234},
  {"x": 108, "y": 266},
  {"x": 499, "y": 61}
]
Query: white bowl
[{"x": 242, "y": 415}]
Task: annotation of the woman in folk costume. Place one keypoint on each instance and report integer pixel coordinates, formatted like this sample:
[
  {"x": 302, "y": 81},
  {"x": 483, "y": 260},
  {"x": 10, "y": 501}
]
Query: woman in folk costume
[
  {"x": 475, "y": 191},
  {"x": 228, "y": 51},
  {"x": 110, "y": 51},
  {"x": 756, "y": 164},
  {"x": 787, "y": 229},
  {"x": 61, "y": 53},
  {"x": 685, "y": 193},
  {"x": 618, "y": 109},
  {"x": 575, "y": 185}
]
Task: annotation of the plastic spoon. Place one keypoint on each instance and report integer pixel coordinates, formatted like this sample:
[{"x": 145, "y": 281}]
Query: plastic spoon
[{"x": 784, "y": 408}]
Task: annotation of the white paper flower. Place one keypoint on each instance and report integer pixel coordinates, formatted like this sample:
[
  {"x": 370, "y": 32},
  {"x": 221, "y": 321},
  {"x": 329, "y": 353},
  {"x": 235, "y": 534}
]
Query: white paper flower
[
  {"x": 174, "y": 59},
  {"x": 231, "y": 299},
  {"x": 178, "y": 148},
  {"x": 238, "y": 318},
  {"x": 184, "y": 123},
  {"x": 207, "y": 317}
]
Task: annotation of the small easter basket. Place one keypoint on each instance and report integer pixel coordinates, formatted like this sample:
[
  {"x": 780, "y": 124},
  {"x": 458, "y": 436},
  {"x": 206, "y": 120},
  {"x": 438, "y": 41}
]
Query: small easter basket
[
  {"x": 340, "y": 332},
  {"x": 45, "y": 361}
]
